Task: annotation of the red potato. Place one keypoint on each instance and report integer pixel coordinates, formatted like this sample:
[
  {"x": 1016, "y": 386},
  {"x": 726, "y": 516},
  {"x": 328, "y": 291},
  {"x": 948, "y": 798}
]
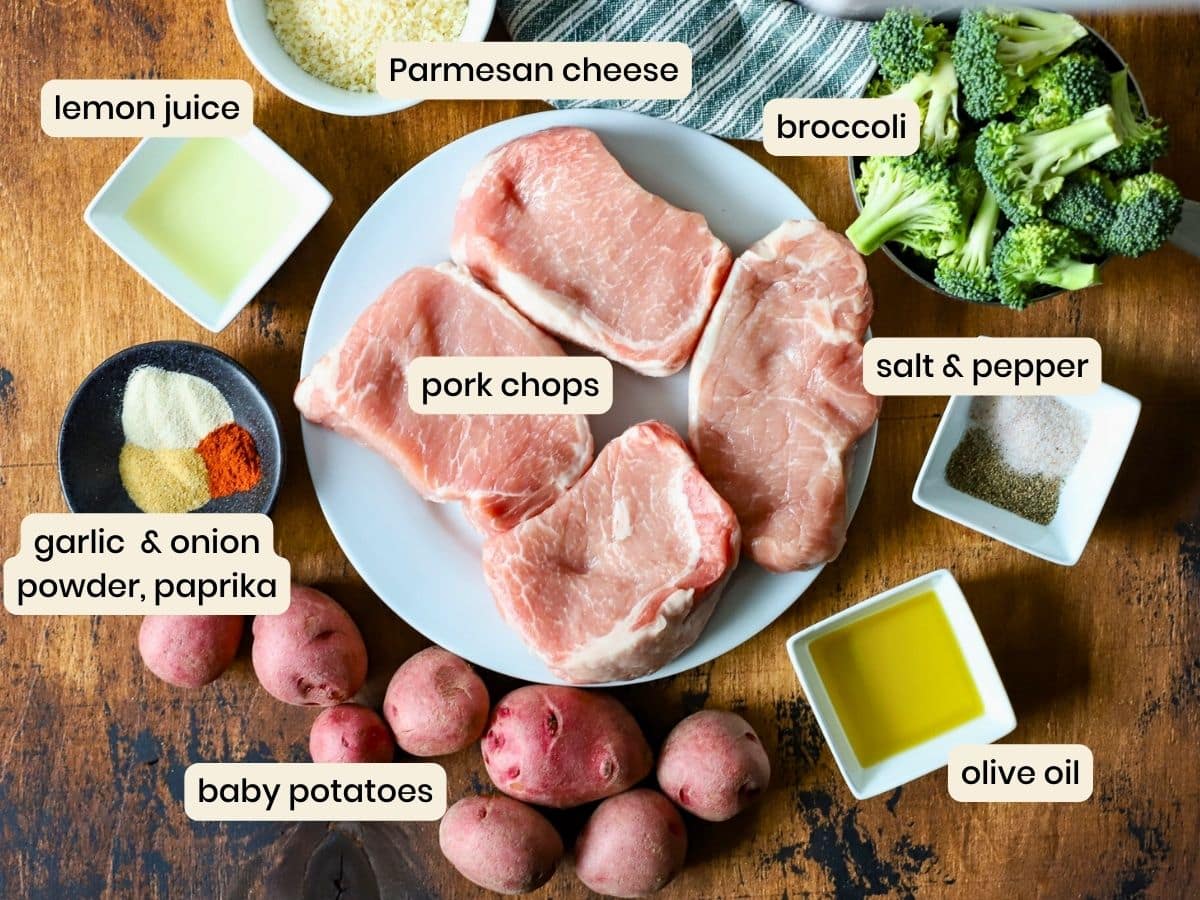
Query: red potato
[
  {"x": 350, "y": 734},
  {"x": 563, "y": 746},
  {"x": 435, "y": 704},
  {"x": 633, "y": 845},
  {"x": 500, "y": 844},
  {"x": 189, "y": 651},
  {"x": 312, "y": 654},
  {"x": 713, "y": 765}
]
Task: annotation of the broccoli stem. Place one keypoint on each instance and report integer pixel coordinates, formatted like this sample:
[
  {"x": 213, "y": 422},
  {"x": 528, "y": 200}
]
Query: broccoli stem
[
  {"x": 1036, "y": 39},
  {"x": 942, "y": 102},
  {"x": 1126, "y": 123},
  {"x": 889, "y": 210},
  {"x": 977, "y": 252},
  {"x": 1070, "y": 275},
  {"x": 1063, "y": 150}
]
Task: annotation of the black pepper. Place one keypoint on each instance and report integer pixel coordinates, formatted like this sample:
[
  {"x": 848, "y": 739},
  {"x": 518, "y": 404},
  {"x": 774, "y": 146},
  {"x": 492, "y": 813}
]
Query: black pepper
[{"x": 977, "y": 467}]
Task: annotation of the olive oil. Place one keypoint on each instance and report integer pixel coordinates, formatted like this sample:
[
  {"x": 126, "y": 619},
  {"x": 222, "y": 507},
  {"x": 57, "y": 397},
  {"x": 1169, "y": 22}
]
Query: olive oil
[
  {"x": 213, "y": 211},
  {"x": 897, "y": 678}
]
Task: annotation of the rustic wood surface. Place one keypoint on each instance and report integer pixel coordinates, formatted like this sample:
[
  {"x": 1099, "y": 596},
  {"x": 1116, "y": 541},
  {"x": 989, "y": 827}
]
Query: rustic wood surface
[{"x": 93, "y": 749}]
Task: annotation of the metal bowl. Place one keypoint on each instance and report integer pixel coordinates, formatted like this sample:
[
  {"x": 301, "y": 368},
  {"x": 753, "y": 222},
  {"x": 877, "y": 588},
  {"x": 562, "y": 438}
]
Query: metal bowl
[{"x": 918, "y": 267}]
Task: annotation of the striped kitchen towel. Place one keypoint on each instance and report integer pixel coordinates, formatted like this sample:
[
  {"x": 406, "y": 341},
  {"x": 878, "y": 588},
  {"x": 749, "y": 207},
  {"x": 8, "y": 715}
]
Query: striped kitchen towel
[{"x": 744, "y": 52}]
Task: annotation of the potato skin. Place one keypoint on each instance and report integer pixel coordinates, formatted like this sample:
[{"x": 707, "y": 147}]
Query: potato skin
[
  {"x": 632, "y": 846},
  {"x": 189, "y": 651},
  {"x": 500, "y": 844},
  {"x": 713, "y": 765},
  {"x": 435, "y": 704},
  {"x": 350, "y": 733},
  {"x": 563, "y": 746},
  {"x": 312, "y": 654}
]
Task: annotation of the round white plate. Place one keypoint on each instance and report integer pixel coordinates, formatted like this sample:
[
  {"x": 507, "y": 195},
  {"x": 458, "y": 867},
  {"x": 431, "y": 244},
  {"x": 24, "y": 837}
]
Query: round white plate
[{"x": 422, "y": 558}]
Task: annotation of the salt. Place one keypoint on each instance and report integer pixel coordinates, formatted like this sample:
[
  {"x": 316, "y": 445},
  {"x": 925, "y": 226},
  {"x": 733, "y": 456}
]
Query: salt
[{"x": 1034, "y": 435}]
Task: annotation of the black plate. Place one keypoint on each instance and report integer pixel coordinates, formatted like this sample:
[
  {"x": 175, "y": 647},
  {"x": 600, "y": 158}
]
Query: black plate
[
  {"x": 918, "y": 267},
  {"x": 91, "y": 437}
]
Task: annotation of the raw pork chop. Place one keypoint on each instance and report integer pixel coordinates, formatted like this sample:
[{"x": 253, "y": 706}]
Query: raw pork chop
[
  {"x": 503, "y": 468},
  {"x": 620, "y": 575},
  {"x": 776, "y": 399},
  {"x": 552, "y": 222}
]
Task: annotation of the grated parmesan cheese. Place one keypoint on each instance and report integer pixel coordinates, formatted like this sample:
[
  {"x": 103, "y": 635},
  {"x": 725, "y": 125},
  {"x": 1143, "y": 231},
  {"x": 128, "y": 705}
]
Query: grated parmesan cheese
[{"x": 338, "y": 40}]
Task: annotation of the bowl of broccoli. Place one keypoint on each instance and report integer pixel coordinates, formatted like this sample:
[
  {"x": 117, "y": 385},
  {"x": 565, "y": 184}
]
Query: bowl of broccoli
[{"x": 1035, "y": 156}]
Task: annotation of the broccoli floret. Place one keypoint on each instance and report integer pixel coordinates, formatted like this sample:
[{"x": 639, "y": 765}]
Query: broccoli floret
[
  {"x": 1064, "y": 90},
  {"x": 1086, "y": 203},
  {"x": 1036, "y": 254},
  {"x": 913, "y": 200},
  {"x": 878, "y": 87},
  {"x": 936, "y": 95},
  {"x": 905, "y": 43},
  {"x": 1148, "y": 209},
  {"x": 967, "y": 272},
  {"x": 996, "y": 51},
  {"x": 1026, "y": 167},
  {"x": 1143, "y": 140}
]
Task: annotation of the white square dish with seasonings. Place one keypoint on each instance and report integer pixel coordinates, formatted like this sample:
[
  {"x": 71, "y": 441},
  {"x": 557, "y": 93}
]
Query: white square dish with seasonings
[{"x": 1111, "y": 416}]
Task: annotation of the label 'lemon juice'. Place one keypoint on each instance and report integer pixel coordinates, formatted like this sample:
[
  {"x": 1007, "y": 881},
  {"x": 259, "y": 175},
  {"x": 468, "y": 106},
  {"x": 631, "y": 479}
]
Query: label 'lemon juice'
[
  {"x": 213, "y": 211},
  {"x": 897, "y": 678}
]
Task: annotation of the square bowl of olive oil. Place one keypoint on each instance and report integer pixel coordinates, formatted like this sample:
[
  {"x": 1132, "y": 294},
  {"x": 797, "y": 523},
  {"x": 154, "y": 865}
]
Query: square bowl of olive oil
[
  {"x": 208, "y": 221},
  {"x": 898, "y": 680}
]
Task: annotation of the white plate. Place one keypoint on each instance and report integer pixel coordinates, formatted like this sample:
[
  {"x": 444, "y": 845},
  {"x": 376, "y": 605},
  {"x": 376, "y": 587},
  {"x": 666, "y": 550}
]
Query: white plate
[{"x": 422, "y": 558}]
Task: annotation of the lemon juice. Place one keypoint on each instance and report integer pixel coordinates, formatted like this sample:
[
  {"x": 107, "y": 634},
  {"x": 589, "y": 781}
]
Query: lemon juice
[{"x": 213, "y": 211}]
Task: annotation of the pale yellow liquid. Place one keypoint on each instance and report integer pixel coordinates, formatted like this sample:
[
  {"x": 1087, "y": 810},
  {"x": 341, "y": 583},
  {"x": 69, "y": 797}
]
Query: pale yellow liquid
[
  {"x": 213, "y": 211},
  {"x": 897, "y": 678}
]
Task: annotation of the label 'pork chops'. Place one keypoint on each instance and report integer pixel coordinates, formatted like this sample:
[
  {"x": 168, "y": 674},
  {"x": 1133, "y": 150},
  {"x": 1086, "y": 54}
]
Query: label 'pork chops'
[
  {"x": 552, "y": 222},
  {"x": 621, "y": 574},
  {"x": 776, "y": 399},
  {"x": 503, "y": 468}
]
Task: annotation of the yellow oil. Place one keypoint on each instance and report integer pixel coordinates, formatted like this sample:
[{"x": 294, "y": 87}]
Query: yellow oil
[
  {"x": 897, "y": 678},
  {"x": 213, "y": 211}
]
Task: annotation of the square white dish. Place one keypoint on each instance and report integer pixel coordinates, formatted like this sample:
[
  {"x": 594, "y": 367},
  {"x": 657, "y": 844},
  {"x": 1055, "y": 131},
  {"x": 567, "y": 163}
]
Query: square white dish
[
  {"x": 996, "y": 720},
  {"x": 105, "y": 215},
  {"x": 1112, "y": 413}
]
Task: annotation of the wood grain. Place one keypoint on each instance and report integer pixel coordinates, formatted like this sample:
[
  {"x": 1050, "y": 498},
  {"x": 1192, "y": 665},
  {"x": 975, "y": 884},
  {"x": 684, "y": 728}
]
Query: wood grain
[{"x": 92, "y": 749}]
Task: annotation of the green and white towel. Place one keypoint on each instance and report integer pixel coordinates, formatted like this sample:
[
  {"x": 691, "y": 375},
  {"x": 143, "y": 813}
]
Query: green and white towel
[{"x": 744, "y": 52}]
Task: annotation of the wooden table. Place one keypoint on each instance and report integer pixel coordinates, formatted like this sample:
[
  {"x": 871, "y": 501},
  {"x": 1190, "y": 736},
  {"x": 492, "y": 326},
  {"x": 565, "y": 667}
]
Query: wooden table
[{"x": 93, "y": 748}]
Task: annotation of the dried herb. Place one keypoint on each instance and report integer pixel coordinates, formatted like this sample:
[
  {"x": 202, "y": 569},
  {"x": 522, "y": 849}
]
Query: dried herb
[{"x": 977, "y": 467}]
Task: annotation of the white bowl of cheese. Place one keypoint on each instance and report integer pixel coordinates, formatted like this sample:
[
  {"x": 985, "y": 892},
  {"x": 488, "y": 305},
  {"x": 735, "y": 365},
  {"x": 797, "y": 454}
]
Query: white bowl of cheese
[{"x": 321, "y": 53}]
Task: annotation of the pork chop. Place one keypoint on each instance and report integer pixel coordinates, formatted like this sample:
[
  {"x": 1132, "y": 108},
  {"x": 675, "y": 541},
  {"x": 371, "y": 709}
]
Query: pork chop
[
  {"x": 552, "y": 222},
  {"x": 503, "y": 468},
  {"x": 621, "y": 574},
  {"x": 776, "y": 400}
]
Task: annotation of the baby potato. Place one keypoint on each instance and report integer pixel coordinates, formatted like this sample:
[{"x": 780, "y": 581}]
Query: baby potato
[
  {"x": 713, "y": 765},
  {"x": 500, "y": 844},
  {"x": 189, "y": 651},
  {"x": 435, "y": 704},
  {"x": 350, "y": 733},
  {"x": 312, "y": 654},
  {"x": 563, "y": 746},
  {"x": 632, "y": 846}
]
